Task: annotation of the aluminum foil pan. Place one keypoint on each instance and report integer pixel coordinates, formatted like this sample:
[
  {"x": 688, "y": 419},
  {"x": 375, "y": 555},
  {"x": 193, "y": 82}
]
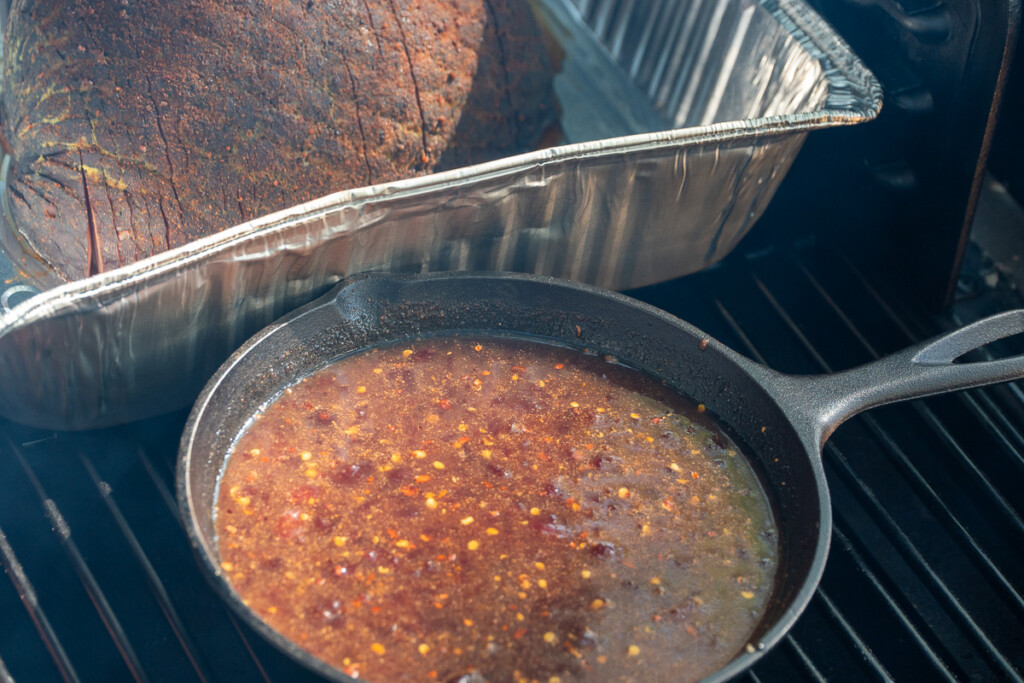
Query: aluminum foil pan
[{"x": 681, "y": 119}]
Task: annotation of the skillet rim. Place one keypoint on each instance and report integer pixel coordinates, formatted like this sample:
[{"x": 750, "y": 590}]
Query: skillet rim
[{"x": 763, "y": 376}]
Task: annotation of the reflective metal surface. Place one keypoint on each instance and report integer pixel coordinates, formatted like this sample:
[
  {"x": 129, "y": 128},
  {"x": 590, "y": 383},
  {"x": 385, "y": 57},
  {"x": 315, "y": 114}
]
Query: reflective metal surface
[{"x": 681, "y": 120}]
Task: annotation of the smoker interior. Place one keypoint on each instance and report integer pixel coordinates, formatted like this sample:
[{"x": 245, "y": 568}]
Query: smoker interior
[
  {"x": 924, "y": 578},
  {"x": 856, "y": 254}
]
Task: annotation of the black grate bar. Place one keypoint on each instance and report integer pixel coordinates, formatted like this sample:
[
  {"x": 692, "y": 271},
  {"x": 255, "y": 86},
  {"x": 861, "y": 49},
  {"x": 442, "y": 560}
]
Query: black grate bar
[
  {"x": 801, "y": 655},
  {"x": 876, "y": 296},
  {"x": 836, "y": 616},
  {"x": 30, "y": 600},
  {"x": 998, "y": 423},
  {"x": 970, "y": 402},
  {"x": 916, "y": 560},
  {"x": 738, "y": 331},
  {"x": 1015, "y": 388},
  {"x": 248, "y": 648},
  {"x": 1011, "y": 450},
  {"x": 934, "y": 658},
  {"x": 892, "y": 530},
  {"x": 917, "y": 481},
  {"x": 172, "y": 505},
  {"x": 938, "y": 507},
  {"x": 791, "y": 324},
  {"x": 156, "y": 586},
  {"x": 92, "y": 587},
  {"x": 757, "y": 356},
  {"x": 752, "y": 677},
  {"x": 1004, "y": 506},
  {"x": 836, "y": 308},
  {"x": 889, "y": 526},
  {"x": 161, "y": 486},
  {"x": 926, "y": 414},
  {"x": 93, "y": 590}
]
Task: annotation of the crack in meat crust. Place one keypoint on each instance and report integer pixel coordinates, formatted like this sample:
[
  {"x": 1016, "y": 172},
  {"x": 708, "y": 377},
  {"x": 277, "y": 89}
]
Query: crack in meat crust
[{"x": 196, "y": 116}]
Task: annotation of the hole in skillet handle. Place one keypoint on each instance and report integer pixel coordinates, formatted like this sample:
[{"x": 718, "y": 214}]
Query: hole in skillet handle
[
  {"x": 980, "y": 342},
  {"x": 926, "y": 369},
  {"x": 959, "y": 347}
]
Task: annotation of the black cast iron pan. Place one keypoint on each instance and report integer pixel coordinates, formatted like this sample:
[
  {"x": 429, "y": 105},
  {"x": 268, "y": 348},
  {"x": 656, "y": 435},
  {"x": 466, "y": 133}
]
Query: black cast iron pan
[{"x": 782, "y": 421}]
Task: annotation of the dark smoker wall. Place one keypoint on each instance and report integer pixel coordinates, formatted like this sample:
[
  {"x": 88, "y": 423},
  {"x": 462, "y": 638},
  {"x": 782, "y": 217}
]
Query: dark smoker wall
[{"x": 900, "y": 192}]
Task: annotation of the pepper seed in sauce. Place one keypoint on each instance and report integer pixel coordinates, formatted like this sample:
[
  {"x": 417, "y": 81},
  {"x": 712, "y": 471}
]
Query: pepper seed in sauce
[{"x": 500, "y": 507}]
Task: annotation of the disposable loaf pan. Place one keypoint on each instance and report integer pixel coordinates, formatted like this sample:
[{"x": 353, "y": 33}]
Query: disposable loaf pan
[{"x": 681, "y": 119}]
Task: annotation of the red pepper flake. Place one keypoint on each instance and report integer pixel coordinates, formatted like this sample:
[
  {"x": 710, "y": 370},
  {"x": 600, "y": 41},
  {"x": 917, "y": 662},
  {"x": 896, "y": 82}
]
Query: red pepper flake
[
  {"x": 392, "y": 533},
  {"x": 444, "y": 403},
  {"x": 409, "y": 490},
  {"x": 519, "y": 633},
  {"x": 559, "y": 366},
  {"x": 703, "y": 344}
]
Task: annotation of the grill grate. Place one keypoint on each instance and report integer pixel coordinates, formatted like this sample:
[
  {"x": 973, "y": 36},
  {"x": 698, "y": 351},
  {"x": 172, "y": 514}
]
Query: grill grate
[{"x": 924, "y": 578}]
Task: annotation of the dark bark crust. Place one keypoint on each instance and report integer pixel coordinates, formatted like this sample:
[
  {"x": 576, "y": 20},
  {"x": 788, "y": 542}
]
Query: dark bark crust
[{"x": 141, "y": 126}]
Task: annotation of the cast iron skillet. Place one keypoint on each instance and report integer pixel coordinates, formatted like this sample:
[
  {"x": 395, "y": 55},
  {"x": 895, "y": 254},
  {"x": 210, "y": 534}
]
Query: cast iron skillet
[{"x": 781, "y": 421}]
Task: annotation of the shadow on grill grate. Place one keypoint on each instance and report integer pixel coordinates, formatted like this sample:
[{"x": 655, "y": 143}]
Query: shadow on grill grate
[{"x": 924, "y": 579}]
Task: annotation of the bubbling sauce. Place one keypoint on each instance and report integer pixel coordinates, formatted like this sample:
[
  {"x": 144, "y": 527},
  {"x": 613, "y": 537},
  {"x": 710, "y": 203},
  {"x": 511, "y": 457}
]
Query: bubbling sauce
[{"x": 496, "y": 509}]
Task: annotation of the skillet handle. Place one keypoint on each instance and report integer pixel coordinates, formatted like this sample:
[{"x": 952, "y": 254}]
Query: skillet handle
[{"x": 922, "y": 370}]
